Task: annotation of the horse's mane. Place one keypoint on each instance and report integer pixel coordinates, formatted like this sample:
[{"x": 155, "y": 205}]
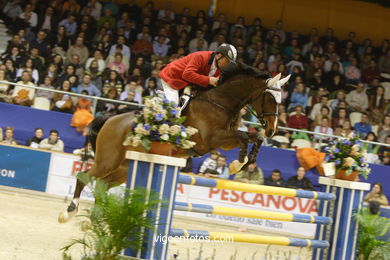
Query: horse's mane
[{"x": 242, "y": 69}]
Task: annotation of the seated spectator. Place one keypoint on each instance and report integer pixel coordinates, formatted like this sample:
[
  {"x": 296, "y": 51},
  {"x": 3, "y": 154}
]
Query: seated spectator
[
  {"x": 384, "y": 62},
  {"x": 111, "y": 57},
  {"x": 9, "y": 136},
  {"x": 60, "y": 41},
  {"x": 340, "y": 96},
  {"x": 1, "y": 134},
  {"x": 324, "y": 112},
  {"x": 63, "y": 102},
  {"x": 298, "y": 97},
  {"x": 15, "y": 56},
  {"x": 118, "y": 65},
  {"x": 275, "y": 179},
  {"x": 125, "y": 50},
  {"x": 137, "y": 89},
  {"x": 29, "y": 16},
  {"x": 107, "y": 18},
  {"x": 151, "y": 88},
  {"x": 341, "y": 117},
  {"x": 299, "y": 119},
  {"x": 41, "y": 46},
  {"x": 352, "y": 73},
  {"x": 376, "y": 194},
  {"x": 323, "y": 128},
  {"x": 221, "y": 170},
  {"x": 122, "y": 108},
  {"x": 113, "y": 81},
  {"x": 316, "y": 110},
  {"x": 24, "y": 96},
  {"x": 143, "y": 46},
  {"x": 53, "y": 142},
  {"x": 98, "y": 57},
  {"x": 377, "y": 106},
  {"x": 160, "y": 47},
  {"x": 78, "y": 68},
  {"x": 358, "y": 99},
  {"x": 371, "y": 148},
  {"x": 47, "y": 83},
  {"x": 345, "y": 130},
  {"x": 209, "y": 163},
  {"x": 107, "y": 108},
  {"x": 86, "y": 85},
  {"x": 29, "y": 66},
  {"x": 371, "y": 72},
  {"x": 384, "y": 152},
  {"x": 252, "y": 174},
  {"x": 78, "y": 49},
  {"x": 363, "y": 127},
  {"x": 69, "y": 24},
  {"x": 384, "y": 129},
  {"x": 300, "y": 181},
  {"x": 36, "y": 140},
  {"x": 3, "y": 86},
  {"x": 198, "y": 43}
]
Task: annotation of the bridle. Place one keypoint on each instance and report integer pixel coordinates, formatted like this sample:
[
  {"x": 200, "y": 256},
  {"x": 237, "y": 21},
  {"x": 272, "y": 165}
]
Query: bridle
[{"x": 241, "y": 103}]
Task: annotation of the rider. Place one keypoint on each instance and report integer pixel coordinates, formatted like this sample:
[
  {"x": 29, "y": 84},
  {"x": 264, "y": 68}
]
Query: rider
[{"x": 199, "y": 68}]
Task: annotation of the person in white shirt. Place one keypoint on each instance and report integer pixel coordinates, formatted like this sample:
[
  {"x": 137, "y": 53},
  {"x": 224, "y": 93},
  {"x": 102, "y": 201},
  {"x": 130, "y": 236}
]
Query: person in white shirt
[
  {"x": 53, "y": 143},
  {"x": 29, "y": 16},
  {"x": 358, "y": 99},
  {"x": 24, "y": 96}
]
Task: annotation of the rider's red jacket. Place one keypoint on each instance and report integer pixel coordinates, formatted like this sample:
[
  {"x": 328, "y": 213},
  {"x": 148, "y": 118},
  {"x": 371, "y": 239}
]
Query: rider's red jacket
[{"x": 191, "y": 69}]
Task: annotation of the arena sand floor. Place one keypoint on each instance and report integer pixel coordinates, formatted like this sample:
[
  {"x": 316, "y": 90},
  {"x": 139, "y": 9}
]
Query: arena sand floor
[{"x": 29, "y": 230}]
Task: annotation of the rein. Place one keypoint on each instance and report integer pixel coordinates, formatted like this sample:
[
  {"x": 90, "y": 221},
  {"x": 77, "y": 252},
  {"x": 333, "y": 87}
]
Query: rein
[{"x": 241, "y": 103}]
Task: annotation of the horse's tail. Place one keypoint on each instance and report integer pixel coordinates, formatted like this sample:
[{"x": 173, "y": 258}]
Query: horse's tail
[{"x": 93, "y": 130}]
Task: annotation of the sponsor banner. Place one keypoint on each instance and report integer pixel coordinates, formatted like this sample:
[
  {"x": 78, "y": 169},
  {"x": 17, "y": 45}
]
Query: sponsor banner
[
  {"x": 62, "y": 180},
  {"x": 244, "y": 200},
  {"x": 23, "y": 168}
]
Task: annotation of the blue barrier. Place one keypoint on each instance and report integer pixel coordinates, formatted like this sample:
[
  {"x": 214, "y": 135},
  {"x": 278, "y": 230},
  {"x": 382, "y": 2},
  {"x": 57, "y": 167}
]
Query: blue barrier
[
  {"x": 25, "y": 119},
  {"x": 22, "y": 168}
]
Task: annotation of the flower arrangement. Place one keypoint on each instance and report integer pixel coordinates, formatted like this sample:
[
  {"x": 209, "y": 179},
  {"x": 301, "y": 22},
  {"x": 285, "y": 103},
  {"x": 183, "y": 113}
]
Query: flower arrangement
[
  {"x": 348, "y": 155},
  {"x": 159, "y": 121}
]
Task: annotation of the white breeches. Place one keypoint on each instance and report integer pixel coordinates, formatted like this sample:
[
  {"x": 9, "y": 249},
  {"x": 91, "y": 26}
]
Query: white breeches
[{"x": 170, "y": 93}]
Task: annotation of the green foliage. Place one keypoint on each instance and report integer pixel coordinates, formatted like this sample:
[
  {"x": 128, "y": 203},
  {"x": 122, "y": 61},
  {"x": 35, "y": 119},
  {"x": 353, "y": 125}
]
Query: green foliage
[
  {"x": 112, "y": 220},
  {"x": 371, "y": 227}
]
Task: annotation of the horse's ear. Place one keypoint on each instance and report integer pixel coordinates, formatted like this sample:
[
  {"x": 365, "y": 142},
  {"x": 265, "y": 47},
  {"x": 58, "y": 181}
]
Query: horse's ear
[
  {"x": 284, "y": 80},
  {"x": 272, "y": 81}
]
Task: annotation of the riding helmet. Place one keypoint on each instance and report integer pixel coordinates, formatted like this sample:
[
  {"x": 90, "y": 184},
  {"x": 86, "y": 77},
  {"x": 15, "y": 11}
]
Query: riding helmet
[{"x": 229, "y": 51}]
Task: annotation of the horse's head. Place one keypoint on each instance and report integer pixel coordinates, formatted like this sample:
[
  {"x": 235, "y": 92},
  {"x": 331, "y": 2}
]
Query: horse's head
[{"x": 266, "y": 104}]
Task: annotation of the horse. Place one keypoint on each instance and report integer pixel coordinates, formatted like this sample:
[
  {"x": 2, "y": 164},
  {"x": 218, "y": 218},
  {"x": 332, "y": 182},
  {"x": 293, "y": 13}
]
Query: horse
[{"x": 215, "y": 112}]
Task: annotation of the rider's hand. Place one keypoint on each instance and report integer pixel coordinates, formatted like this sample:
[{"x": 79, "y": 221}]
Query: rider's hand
[{"x": 213, "y": 81}]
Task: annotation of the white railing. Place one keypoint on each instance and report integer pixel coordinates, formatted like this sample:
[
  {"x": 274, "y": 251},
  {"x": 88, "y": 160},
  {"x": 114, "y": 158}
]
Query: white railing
[{"x": 96, "y": 99}]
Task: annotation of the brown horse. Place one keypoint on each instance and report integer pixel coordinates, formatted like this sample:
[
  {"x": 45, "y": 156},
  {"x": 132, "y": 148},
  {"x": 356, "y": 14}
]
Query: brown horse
[{"x": 214, "y": 112}]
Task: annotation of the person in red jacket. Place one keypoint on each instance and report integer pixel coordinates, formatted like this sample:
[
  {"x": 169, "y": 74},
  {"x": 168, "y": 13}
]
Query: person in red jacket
[{"x": 200, "y": 68}]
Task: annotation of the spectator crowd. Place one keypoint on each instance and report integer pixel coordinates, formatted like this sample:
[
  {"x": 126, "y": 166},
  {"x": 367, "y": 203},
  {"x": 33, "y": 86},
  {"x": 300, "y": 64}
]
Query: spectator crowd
[{"x": 115, "y": 51}]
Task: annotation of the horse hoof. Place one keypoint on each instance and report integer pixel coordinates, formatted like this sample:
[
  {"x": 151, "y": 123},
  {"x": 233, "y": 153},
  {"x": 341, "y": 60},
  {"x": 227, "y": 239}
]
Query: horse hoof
[
  {"x": 66, "y": 216},
  {"x": 236, "y": 166}
]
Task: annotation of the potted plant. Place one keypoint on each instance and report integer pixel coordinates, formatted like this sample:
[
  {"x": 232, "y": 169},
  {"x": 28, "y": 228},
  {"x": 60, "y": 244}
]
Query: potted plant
[
  {"x": 159, "y": 128},
  {"x": 348, "y": 158},
  {"x": 371, "y": 227},
  {"x": 113, "y": 219}
]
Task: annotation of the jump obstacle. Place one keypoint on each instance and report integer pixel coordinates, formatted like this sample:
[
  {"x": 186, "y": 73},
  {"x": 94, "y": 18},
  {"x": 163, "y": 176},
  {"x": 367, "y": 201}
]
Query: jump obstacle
[{"x": 336, "y": 233}]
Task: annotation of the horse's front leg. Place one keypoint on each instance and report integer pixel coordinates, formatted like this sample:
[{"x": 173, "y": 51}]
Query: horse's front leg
[
  {"x": 227, "y": 140},
  {"x": 257, "y": 141}
]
